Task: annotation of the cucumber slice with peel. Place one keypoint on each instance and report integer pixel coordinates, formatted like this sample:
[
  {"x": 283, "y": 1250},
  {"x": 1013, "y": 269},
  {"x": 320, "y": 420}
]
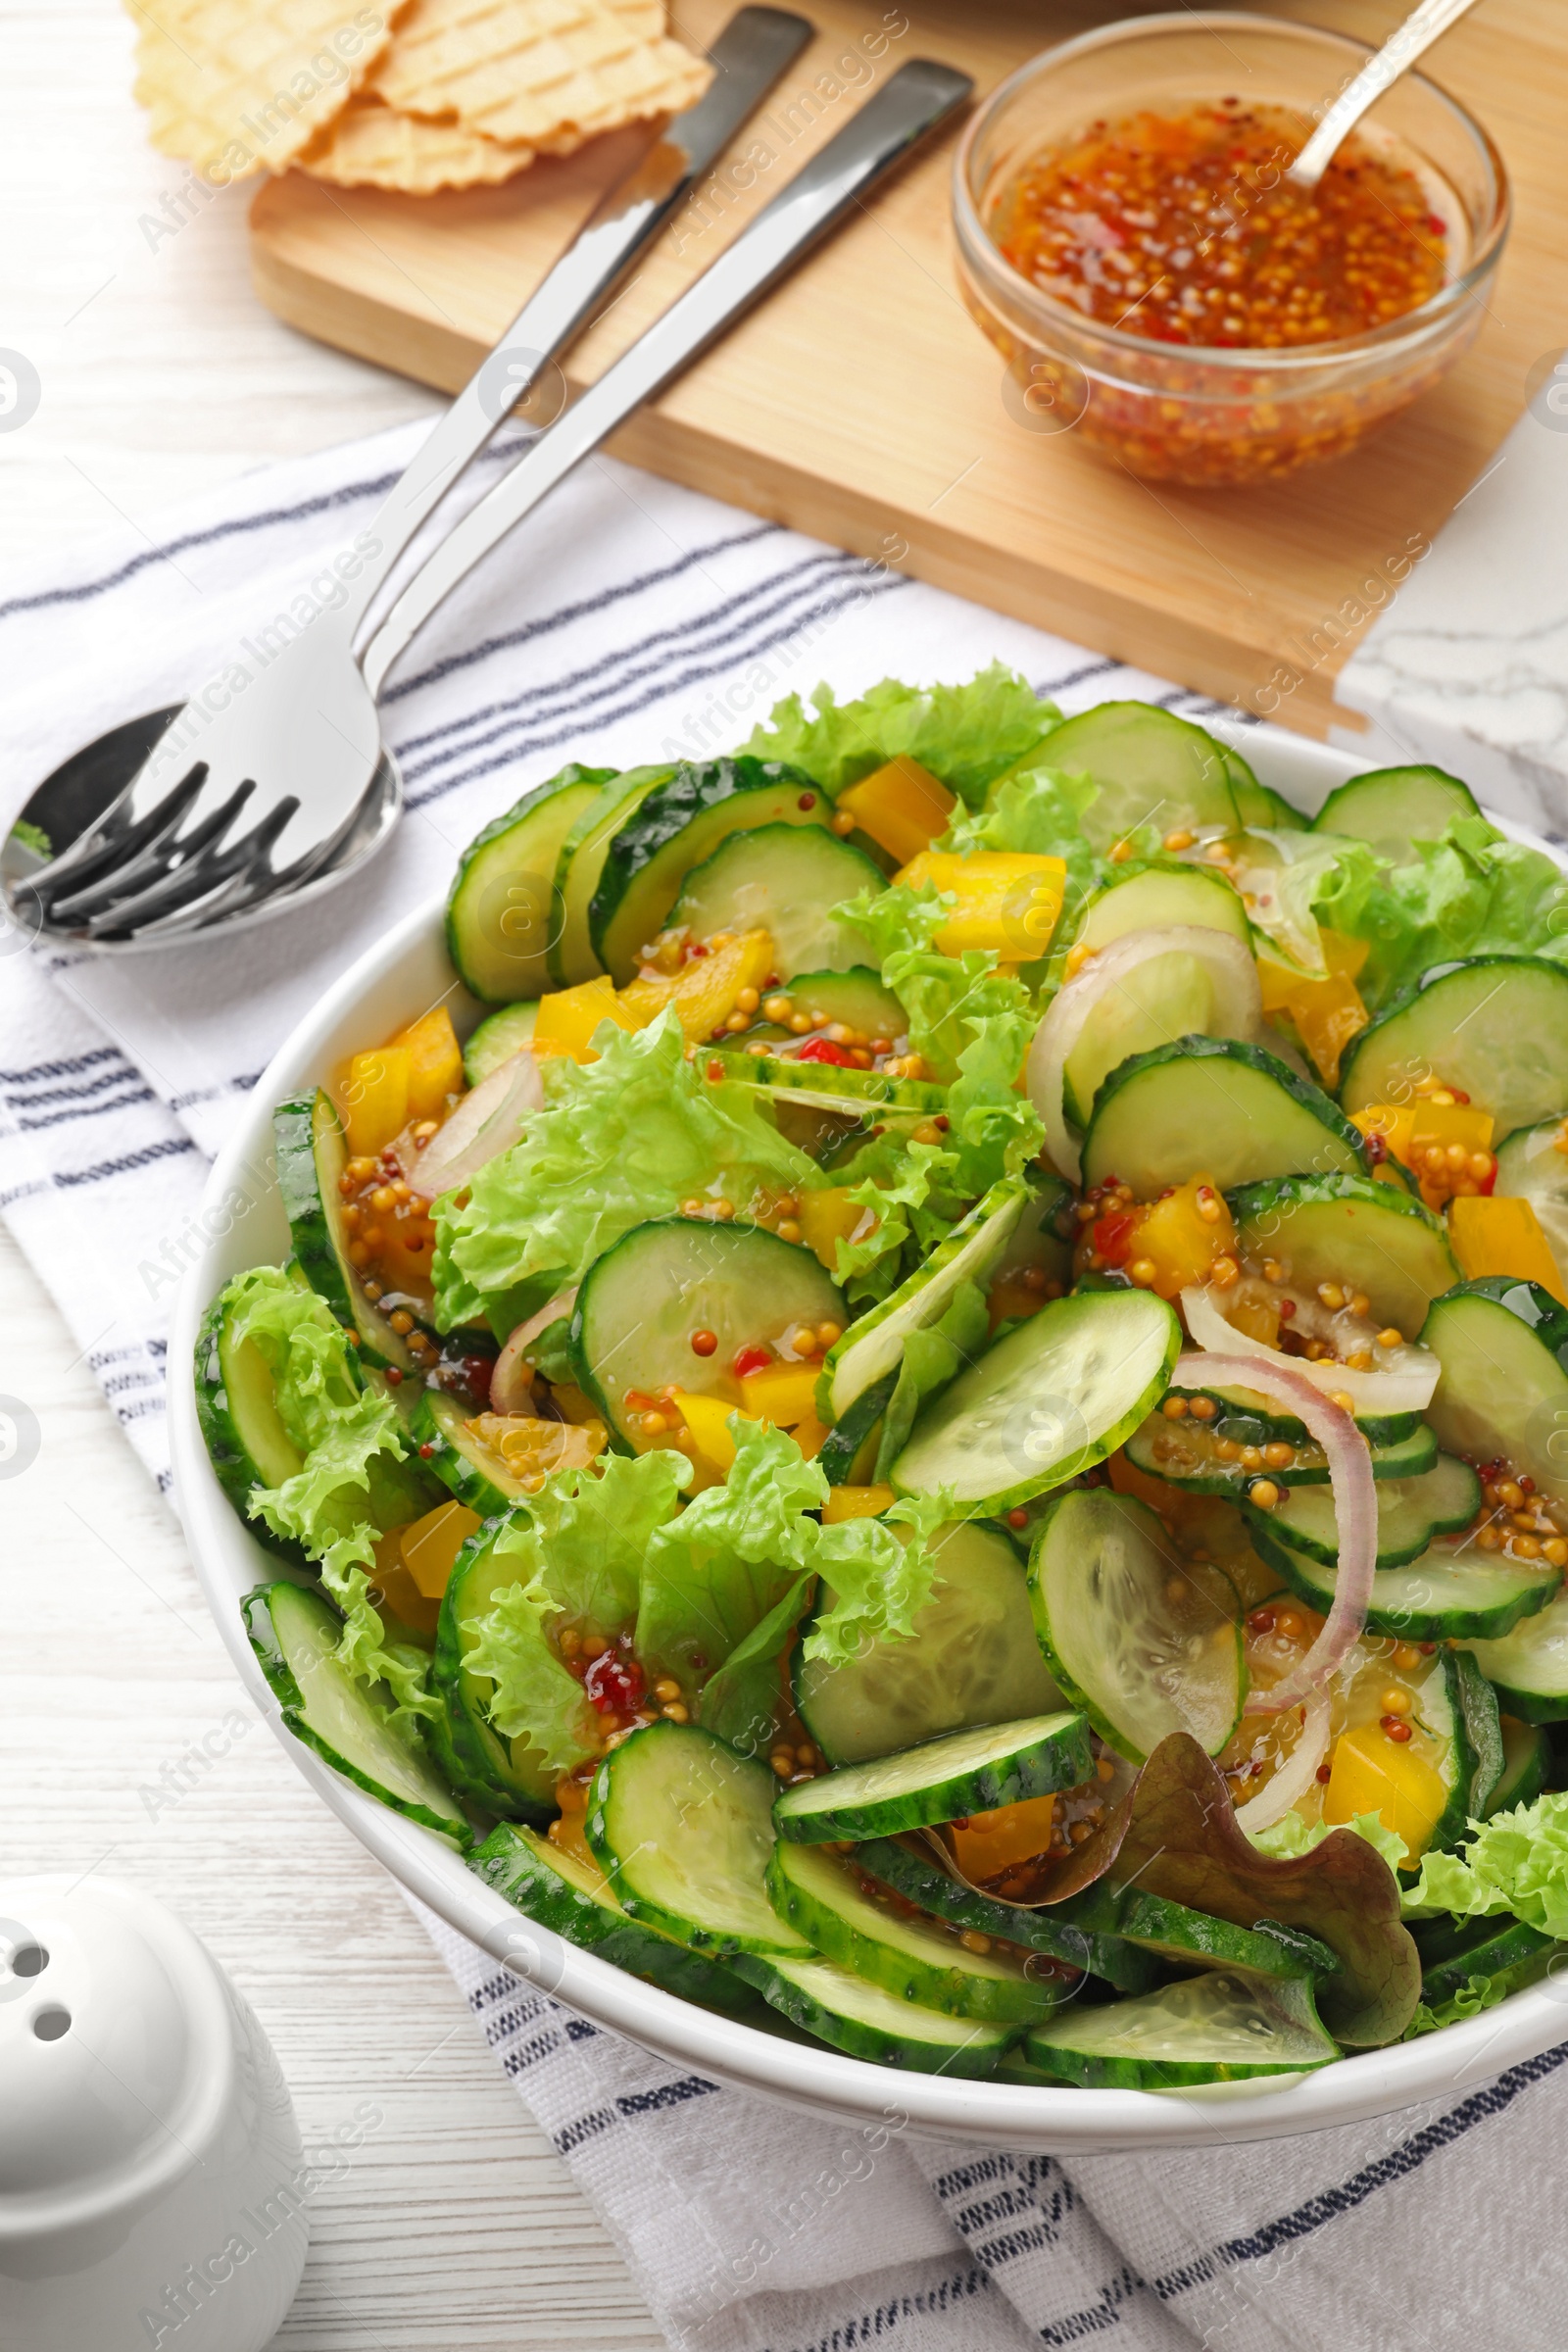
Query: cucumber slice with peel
[
  {"x": 560, "y": 1891},
  {"x": 1526, "y": 1762},
  {"x": 1052, "y": 1930},
  {"x": 246, "y": 1440},
  {"x": 873, "y": 1344},
  {"x": 295, "y": 1634},
  {"x": 1410, "y": 1512},
  {"x": 639, "y": 1304},
  {"x": 1503, "y": 1392},
  {"x": 1493, "y": 1027},
  {"x": 865, "y": 2021},
  {"x": 1457, "y": 1707},
  {"x": 311, "y": 1153},
  {"x": 579, "y": 867},
  {"x": 683, "y": 1829},
  {"x": 853, "y": 996},
  {"x": 785, "y": 880},
  {"x": 1145, "y": 1641},
  {"x": 828, "y": 1898},
  {"x": 1150, "y": 768},
  {"x": 510, "y": 1778},
  {"x": 1352, "y": 1231},
  {"x": 1157, "y": 897},
  {"x": 1246, "y": 1417},
  {"x": 1518, "y": 1953},
  {"x": 822, "y": 1086},
  {"x": 1173, "y": 985},
  {"x": 1221, "y": 2027},
  {"x": 1186, "y": 1454},
  {"x": 1393, "y": 808},
  {"x": 970, "y": 1659},
  {"x": 498, "y": 1037},
  {"x": 503, "y": 910},
  {"x": 475, "y": 1473},
  {"x": 1528, "y": 1666},
  {"x": 1215, "y": 1108},
  {"x": 1532, "y": 1167},
  {"x": 1187, "y": 1939},
  {"x": 849, "y": 1451},
  {"x": 1444, "y": 1594},
  {"x": 1047, "y": 1401},
  {"x": 973, "y": 1771}
]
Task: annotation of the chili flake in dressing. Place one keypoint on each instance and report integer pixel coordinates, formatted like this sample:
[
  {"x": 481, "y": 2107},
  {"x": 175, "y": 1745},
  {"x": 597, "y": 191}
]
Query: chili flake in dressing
[{"x": 1182, "y": 227}]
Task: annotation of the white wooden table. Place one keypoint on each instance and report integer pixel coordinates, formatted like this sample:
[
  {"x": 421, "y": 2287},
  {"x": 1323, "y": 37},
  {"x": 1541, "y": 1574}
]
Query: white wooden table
[{"x": 455, "y": 2223}]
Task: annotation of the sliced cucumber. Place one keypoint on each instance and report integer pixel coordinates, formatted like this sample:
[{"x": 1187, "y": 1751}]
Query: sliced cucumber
[
  {"x": 502, "y": 911},
  {"x": 974, "y": 1771},
  {"x": 684, "y": 1828},
  {"x": 1216, "y": 1107},
  {"x": 295, "y": 1635},
  {"x": 1186, "y": 1452},
  {"x": 1152, "y": 768},
  {"x": 865, "y": 2022},
  {"x": 1514, "y": 1951},
  {"x": 1495, "y": 1027},
  {"x": 1528, "y": 1668},
  {"x": 1457, "y": 1707},
  {"x": 1353, "y": 1231},
  {"x": 873, "y": 1344},
  {"x": 849, "y": 1451},
  {"x": 972, "y": 1659},
  {"x": 828, "y": 1898},
  {"x": 1532, "y": 1167},
  {"x": 1188, "y": 1939},
  {"x": 822, "y": 1086},
  {"x": 508, "y": 1777},
  {"x": 475, "y": 1473},
  {"x": 784, "y": 879},
  {"x": 580, "y": 864},
  {"x": 639, "y": 1304},
  {"x": 1393, "y": 808},
  {"x": 1246, "y": 1417},
  {"x": 853, "y": 996},
  {"x": 1221, "y": 2027},
  {"x": 1047, "y": 1401},
  {"x": 1157, "y": 897},
  {"x": 1410, "y": 1511},
  {"x": 246, "y": 1440},
  {"x": 1442, "y": 1596},
  {"x": 1043, "y": 1235},
  {"x": 1259, "y": 806},
  {"x": 1052, "y": 1930},
  {"x": 560, "y": 1891},
  {"x": 1173, "y": 993},
  {"x": 1526, "y": 1762},
  {"x": 1503, "y": 1392},
  {"x": 311, "y": 1153},
  {"x": 1141, "y": 1639},
  {"x": 498, "y": 1037},
  {"x": 676, "y": 828}
]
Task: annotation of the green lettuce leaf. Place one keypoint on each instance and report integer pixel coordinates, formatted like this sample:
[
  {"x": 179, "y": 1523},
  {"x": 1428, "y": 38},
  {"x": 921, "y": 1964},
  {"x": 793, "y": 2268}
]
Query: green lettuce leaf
[
  {"x": 710, "y": 1577},
  {"x": 620, "y": 1140},
  {"x": 1473, "y": 893},
  {"x": 534, "y": 1696},
  {"x": 743, "y": 1702},
  {"x": 1039, "y": 812},
  {"x": 1475, "y": 1994},
  {"x": 353, "y": 1485},
  {"x": 879, "y": 1572},
  {"x": 966, "y": 735},
  {"x": 902, "y": 1184},
  {"x": 1291, "y": 1836},
  {"x": 1516, "y": 1862},
  {"x": 900, "y": 920},
  {"x": 931, "y": 1358}
]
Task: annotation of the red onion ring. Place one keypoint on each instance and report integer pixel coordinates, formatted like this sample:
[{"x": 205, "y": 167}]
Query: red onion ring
[
  {"x": 1295, "y": 1776},
  {"x": 1355, "y": 1509}
]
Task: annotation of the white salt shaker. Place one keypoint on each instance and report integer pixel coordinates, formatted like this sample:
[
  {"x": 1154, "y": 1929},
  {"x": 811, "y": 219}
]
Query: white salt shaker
[{"x": 152, "y": 2182}]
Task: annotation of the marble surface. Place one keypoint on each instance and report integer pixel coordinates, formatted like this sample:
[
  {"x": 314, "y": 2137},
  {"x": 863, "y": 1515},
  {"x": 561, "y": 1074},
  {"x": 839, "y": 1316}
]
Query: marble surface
[{"x": 1468, "y": 665}]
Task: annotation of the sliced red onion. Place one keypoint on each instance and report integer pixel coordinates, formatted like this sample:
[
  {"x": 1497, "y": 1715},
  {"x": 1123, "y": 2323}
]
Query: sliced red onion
[
  {"x": 512, "y": 1380},
  {"x": 1355, "y": 1509},
  {"x": 1295, "y": 1776},
  {"x": 485, "y": 1123},
  {"x": 1238, "y": 1012},
  {"x": 1406, "y": 1388}
]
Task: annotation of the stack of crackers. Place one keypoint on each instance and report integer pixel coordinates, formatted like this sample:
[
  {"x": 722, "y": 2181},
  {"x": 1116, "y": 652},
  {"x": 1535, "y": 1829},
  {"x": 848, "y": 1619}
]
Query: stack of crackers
[{"x": 408, "y": 94}]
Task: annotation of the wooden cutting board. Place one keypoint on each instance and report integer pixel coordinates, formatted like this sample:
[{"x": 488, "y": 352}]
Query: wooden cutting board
[{"x": 861, "y": 404}]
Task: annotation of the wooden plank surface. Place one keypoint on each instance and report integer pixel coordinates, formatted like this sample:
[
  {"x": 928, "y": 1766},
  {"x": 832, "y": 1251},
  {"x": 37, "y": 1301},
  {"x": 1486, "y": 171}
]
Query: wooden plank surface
[{"x": 861, "y": 404}]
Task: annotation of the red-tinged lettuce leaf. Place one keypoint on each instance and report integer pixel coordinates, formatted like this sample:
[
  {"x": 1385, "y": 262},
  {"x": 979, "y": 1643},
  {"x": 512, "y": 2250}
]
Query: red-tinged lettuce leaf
[{"x": 1174, "y": 1835}]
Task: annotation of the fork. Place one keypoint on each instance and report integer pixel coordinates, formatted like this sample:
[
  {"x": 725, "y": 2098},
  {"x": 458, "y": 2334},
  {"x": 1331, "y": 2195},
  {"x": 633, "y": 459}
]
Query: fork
[{"x": 216, "y": 804}]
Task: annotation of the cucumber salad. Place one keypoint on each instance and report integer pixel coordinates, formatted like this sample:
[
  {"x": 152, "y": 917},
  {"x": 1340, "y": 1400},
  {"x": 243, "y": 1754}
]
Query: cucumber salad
[{"x": 935, "y": 1393}]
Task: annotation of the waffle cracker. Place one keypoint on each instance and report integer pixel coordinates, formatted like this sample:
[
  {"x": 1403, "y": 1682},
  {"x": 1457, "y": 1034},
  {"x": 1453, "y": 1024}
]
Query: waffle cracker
[
  {"x": 371, "y": 145},
  {"x": 240, "y": 87},
  {"x": 544, "y": 74}
]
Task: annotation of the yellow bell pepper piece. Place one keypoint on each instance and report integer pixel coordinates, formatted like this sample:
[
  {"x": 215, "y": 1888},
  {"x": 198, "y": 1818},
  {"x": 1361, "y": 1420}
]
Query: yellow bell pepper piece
[
  {"x": 375, "y": 1098},
  {"x": 1006, "y": 903},
  {"x": 1178, "y": 1240},
  {"x": 706, "y": 1420},
  {"x": 394, "y": 1593},
  {"x": 855, "y": 1502},
  {"x": 568, "y": 1020},
  {"x": 703, "y": 992},
  {"x": 828, "y": 1216},
  {"x": 1327, "y": 1010},
  {"x": 989, "y": 1842},
  {"x": 810, "y": 1435},
  {"x": 528, "y": 1450},
  {"x": 435, "y": 1063},
  {"x": 902, "y": 807},
  {"x": 1503, "y": 1237},
  {"x": 430, "y": 1544},
  {"x": 1370, "y": 1773},
  {"x": 783, "y": 1393}
]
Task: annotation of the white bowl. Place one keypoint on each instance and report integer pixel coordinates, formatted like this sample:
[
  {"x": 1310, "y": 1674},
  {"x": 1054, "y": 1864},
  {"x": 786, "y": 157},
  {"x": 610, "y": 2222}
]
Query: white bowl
[{"x": 244, "y": 1222}]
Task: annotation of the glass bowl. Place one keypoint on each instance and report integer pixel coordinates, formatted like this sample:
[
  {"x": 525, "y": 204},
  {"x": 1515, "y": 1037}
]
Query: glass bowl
[{"x": 1199, "y": 414}]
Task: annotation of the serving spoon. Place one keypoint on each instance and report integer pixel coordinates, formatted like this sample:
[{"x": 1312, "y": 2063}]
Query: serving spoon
[{"x": 1426, "y": 25}]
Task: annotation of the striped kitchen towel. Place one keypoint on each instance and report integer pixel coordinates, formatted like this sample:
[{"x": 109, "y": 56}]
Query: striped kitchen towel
[{"x": 629, "y": 620}]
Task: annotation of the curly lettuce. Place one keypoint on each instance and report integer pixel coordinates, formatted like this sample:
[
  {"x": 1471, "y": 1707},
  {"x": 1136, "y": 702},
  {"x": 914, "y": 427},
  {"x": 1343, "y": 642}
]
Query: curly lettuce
[
  {"x": 1039, "y": 812},
  {"x": 879, "y": 1575},
  {"x": 1516, "y": 1862},
  {"x": 966, "y": 735},
  {"x": 622, "y": 1140},
  {"x": 1472, "y": 893},
  {"x": 1291, "y": 1836}
]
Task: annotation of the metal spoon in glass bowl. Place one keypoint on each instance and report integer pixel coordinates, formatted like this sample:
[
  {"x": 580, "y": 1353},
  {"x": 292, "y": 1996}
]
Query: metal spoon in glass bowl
[{"x": 1401, "y": 50}]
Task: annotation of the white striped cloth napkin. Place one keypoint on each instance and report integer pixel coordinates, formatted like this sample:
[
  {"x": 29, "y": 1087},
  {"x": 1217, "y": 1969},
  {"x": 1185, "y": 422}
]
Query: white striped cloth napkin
[{"x": 625, "y": 621}]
